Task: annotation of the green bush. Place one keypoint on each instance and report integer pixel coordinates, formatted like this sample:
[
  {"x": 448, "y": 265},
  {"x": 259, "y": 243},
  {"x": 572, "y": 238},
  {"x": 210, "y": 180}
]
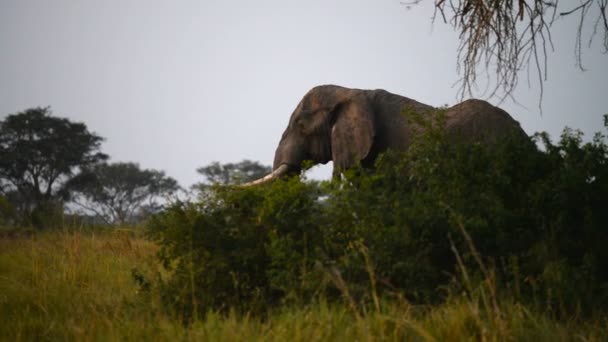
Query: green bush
[
  {"x": 536, "y": 217},
  {"x": 406, "y": 209},
  {"x": 47, "y": 214},
  {"x": 243, "y": 249}
]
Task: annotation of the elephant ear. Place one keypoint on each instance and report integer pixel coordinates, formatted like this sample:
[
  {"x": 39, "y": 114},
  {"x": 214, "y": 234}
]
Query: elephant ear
[{"x": 352, "y": 134}]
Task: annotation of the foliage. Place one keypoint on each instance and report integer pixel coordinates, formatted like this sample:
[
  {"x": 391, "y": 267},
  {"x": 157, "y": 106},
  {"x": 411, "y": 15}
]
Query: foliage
[
  {"x": 530, "y": 221},
  {"x": 536, "y": 216},
  {"x": 77, "y": 285},
  {"x": 39, "y": 153},
  {"x": 122, "y": 192},
  {"x": 240, "y": 249},
  {"x": 232, "y": 173},
  {"x": 506, "y": 36}
]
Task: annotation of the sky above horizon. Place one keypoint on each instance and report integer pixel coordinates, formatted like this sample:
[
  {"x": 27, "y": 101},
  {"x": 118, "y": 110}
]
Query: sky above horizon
[{"x": 176, "y": 85}]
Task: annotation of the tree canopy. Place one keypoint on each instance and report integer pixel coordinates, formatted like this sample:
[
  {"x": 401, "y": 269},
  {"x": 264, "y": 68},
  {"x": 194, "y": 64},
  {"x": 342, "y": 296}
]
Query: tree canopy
[
  {"x": 40, "y": 153},
  {"x": 231, "y": 173},
  {"x": 122, "y": 192}
]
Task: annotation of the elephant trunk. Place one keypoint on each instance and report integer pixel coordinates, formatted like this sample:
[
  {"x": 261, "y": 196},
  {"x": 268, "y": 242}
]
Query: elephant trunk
[{"x": 278, "y": 172}]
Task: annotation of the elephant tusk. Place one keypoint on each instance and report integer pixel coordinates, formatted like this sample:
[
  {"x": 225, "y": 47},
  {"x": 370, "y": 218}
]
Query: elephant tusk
[{"x": 281, "y": 170}]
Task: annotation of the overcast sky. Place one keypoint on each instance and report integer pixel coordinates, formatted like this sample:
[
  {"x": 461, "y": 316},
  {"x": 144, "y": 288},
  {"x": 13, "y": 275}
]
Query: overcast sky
[{"x": 175, "y": 85}]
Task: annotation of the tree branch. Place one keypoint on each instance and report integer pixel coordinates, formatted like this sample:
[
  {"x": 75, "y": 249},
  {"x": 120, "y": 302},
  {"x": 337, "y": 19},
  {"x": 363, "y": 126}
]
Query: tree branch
[{"x": 495, "y": 37}]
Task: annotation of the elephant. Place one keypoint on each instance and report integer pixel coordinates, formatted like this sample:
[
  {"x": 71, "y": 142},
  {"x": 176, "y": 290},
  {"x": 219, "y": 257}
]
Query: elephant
[{"x": 351, "y": 126}]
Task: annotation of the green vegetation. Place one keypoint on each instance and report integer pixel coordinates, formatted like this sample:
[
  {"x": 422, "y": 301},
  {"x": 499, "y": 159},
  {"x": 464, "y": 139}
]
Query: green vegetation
[
  {"x": 47, "y": 162},
  {"x": 521, "y": 223},
  {"x": 40, "y": 155},
  {"x": 231, "y": 173},
  {"x": 69, "y": 285},
  {"x": 121, "y": 193},
  {"x": 78, "y": 285},
  {"x": 445, "y": 242}
]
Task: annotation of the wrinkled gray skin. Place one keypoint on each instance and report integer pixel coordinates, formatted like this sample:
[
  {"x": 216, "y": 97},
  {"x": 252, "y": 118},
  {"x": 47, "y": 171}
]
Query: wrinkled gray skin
[{"x": 350, "y": 126}]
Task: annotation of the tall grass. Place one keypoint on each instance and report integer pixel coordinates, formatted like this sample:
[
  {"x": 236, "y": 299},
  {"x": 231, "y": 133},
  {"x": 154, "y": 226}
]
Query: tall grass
[
  {"x": 78, "y": 285},
  {"x": 58, "y": 285}
]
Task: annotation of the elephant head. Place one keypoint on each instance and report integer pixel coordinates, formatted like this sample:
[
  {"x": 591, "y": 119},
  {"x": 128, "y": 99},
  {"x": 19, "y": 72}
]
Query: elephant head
[
  {"x": 330, "y": 123},
  {"x": 350, "y": 126}
]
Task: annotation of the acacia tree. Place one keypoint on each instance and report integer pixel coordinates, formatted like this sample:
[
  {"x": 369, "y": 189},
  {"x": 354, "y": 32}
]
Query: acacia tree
[
  {"x": 504, "y": 37},
  {"x": 232, "y": 173},
  {"x": 39, "y": 154},
  {"x": 227, "y": 174},
  {"x": 122, "y": 193}
]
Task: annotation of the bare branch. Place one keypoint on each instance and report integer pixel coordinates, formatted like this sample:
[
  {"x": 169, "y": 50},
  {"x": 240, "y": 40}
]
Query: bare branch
[
  {"x": 581, "y": 7},
  {"x": 496, "y": 39}
]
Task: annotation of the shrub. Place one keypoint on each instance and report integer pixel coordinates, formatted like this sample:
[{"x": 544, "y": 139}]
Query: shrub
[
  {"x": 241, "y": 249},
  {"x": 536, "y": 217}
]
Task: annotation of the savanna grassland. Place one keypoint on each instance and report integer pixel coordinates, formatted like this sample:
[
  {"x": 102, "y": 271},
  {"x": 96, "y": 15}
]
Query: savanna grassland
[
  {"x": 442, "y": 243},
  {"x": 79, "y": 285}
]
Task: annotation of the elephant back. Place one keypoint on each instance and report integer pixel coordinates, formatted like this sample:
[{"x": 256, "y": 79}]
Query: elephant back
[{"x": 481, "y": 121}]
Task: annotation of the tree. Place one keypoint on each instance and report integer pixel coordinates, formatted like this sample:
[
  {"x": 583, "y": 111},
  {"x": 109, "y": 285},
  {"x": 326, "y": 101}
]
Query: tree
[
  {"x": 7, "y": 211},
  {"x": 507, "y": 36},
  {"x": 122, "y": 192},
  {"x": 40, "y": 153},
  {"x": 242, "y": 172}
]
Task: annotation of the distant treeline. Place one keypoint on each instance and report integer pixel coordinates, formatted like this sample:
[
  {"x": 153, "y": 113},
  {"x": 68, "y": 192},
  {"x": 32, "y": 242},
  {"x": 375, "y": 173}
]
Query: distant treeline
[{"x": 53, "y": 173}]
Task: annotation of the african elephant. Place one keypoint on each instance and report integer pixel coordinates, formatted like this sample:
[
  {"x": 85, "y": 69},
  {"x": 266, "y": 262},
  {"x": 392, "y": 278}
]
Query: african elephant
[{"x": 350, "y": 126}]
